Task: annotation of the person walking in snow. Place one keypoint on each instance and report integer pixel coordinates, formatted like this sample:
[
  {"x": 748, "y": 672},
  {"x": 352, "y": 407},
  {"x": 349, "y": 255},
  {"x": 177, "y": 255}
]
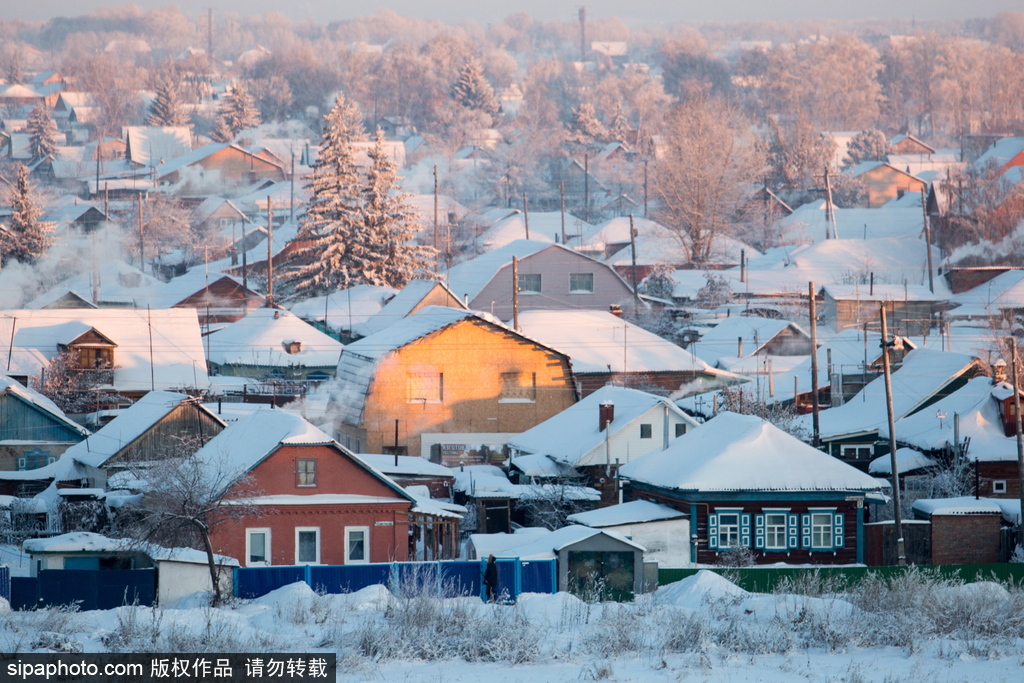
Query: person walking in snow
[{"x": 491, "y": 579}]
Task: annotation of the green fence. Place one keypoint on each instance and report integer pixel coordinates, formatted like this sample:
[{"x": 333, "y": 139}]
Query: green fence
[{"x": 764, "y": 579}]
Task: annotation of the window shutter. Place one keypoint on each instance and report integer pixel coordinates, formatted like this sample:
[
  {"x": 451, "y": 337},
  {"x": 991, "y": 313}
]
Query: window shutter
[
  {"x": 792, "y": 531},
  {"x": 713, "y": 531},
  {"x": 759, "y": 531},
  {"x": 745, "y": 530},
  {"x": 805, "y": 529},
  {"x": 838, "y": 530}
]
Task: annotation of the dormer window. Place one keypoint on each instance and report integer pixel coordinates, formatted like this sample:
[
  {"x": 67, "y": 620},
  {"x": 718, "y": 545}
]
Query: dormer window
[{"x": 94, "y": 350}]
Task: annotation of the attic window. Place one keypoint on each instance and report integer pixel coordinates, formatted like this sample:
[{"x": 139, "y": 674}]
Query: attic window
[{"x": 292, "y": 347}]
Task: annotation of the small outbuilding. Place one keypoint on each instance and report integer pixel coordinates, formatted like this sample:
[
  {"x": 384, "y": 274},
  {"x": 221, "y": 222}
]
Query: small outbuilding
[{"x": 664, "y": 531}]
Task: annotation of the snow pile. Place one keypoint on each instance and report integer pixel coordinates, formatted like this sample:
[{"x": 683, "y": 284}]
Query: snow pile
[{"x": 693, "y": 592}]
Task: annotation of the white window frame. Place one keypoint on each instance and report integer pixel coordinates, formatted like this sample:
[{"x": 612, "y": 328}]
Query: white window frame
[
  {"x": 577, "y": 290},
  {"x": 999, "y": 486},
  {"x": 366, "y": 544},
  {"x": 299, "y": 530},
  {"x": 266, "y": 546},
  {"x": 816, "y": 528},
  {"x": 723, "y": 538},
  {"x": 843, "y": 448},
  {"x": 299, "y": 472},
  {"x": 784, "y": 514},
  {"x": 540, "y": 283}
]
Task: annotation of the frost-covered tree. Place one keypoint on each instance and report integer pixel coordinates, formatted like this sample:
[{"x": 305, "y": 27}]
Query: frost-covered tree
[
  {"x": 222, "y": 131},
  {"x": 75, "y": 389},
  {"x": 42, "y": 133},
  {"x": 383, "y": 252},
  {"x": 473, "y": 91},
  {"x": 27, "y": 238},
  {"x": 868, "y": 145},
  {"x": 237, "y": 113},
  {"x": 585, "y": 128},
  {"x": 332, "y": 218},
  {"x": 166, "y": 109}
]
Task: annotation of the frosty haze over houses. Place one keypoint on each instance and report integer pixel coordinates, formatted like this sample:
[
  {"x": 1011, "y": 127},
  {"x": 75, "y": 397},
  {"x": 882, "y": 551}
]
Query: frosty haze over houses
[{"x": 678, "y": 345}]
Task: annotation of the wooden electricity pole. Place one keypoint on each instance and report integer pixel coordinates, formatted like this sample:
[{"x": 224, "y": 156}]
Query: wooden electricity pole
[
  {"x": 812, "y": 309},
  {"x": 561, "y": 198},
  {"x": 1020, "y": 439},
  {"x": 901, "y": 552},
  {"x": 632, "y": 248},
  {"x": 142, "y": 237},
  {"x": 270, "y": 254},
  {"x": 526, "y": 215},
  {"x": 437, "y": 262},
  {"x": 515, "y": 293},
  {"x": 928, "y": 240}
]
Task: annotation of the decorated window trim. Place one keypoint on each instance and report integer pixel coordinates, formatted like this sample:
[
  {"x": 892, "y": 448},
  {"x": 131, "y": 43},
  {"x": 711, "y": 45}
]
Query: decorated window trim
[
  {"x": 837, "y": 535},
  {"x": 789, "y": 534}
]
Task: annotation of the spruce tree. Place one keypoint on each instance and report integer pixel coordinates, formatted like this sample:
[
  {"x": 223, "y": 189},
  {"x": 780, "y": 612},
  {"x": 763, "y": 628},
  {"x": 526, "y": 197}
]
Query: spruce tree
[
  {"x": 585, "y": 128},
  {"x": 222, "y": 131},
  {"x": 472, "y": 89},
  {"x": 384, "y": 254},
  {"x": 239, "y": 110},
  {"x": 27, "y": 239},
  {"x": 166, "y": 109},
  {"x": 42, "y": 133},
  {"x": 331, "y": 222}
]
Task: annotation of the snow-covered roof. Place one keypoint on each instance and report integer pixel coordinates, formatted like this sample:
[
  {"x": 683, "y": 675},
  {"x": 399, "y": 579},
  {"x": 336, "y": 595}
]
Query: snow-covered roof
[
  {"x": 545, "y": 226},
  {"x": 924, "y": 373},
  {"x": 595, "y": 340},
  {"x": 633, "y": 512},
  {"x": 34, "y": 398},
  {"x": 151, "y": 145},
  {"x": 722, "y": 340},
  {"x": 977, "y": 404},
  {"x": 262, "y": 338},
  {"x": 1005, "y": 290},
  {"x": 734, "y": 452},
  {"x": 1001, "y": 152},
  {"x": 408, "y": 465},
  {"x": 117, "y": 284},
  {"x": 547, "y": 546},
  {"x": 88, "y": 542},
  {"x": 488, "y": 481},
  {"x": 198, "y": 154},
  {"x": 537, "y": 465},
  {"x": 572, "y": 435},
  {"x": 178, "y": 359},
  {"x": 209, "y": 205},
  {"x": 403, "y": 303},
  {"x": 882, "y": 293},
  {"x": 809, "y": 223},
  {"x": 907, "y": 460},
  {"x": 470, "y": 277},
  {"x": 348, "y": 309},
  {"x": 965, "y": 505},
  {"x": 128, "y": 426}
]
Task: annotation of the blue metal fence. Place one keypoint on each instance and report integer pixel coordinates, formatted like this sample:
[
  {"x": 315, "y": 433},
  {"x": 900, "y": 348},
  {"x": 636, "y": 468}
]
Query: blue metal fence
[
  {"x": 449, "y": 578},
  {"x": 88, "y": 588},
  {"x": 5, "y": 583}
]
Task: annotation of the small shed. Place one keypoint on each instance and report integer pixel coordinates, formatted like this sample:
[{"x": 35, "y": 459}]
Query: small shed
[
  {"x": 965, "y": 530},
  {"x": 179, "y": 571},
  {"x": 663, "y": 531},
  {"x": 589, "y": 560}
]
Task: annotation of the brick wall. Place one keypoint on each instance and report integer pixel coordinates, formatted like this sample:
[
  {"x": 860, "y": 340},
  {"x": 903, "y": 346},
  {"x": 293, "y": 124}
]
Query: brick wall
[{"x": 965, "y": 539}]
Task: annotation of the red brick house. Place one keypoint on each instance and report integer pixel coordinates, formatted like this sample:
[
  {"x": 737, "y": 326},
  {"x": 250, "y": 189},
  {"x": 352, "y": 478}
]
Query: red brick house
[
  {"x": 746, "y": 484},
  {"x": 319, "y": 504}
]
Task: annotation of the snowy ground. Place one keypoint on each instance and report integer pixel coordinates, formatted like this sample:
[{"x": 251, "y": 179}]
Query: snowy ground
[{"x": 700, "y": 629}]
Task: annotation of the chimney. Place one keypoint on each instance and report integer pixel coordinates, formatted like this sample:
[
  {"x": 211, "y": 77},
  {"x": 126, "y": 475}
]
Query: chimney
[
  {"x": 606, "y": 415},
  {"x": 999, "y": 371},
  {"x": 615, "y": 310},
  {"x": 739, "y": 347}
]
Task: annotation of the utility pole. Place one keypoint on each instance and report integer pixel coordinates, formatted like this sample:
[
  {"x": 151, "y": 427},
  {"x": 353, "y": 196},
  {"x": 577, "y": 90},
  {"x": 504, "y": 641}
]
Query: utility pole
[
  {"x": 583, "y": 33},
  {"x": 632, "y": 248},
  {"x": 897, "y": 511},
  {"x": 270, "y": 254},
  {"x": 437, "y": 263},
  {"x": 645, "y": 188},
  {"x": 812, "y": 309},
  {"x": 291, "y": 205},
  {"x": 586, "y": 188},
  {"x": 561, "y": 198},
  {"x": 928, "y": 240},
  {"x": 245, "y": 257},
  {"x": 142, "y": 237},
  {"x": 515, "y": 293},
  {"x": 1012, "y": 341},
  {"x": 830, "y": 213},
  {"x": 526, "y": 215}
]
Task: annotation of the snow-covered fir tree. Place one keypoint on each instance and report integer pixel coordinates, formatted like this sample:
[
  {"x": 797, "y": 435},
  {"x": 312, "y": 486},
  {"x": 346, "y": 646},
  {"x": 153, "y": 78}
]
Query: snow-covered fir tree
[
  {"x": 383, "y": 253},
  {"x": 166, "y": 109},
  {"x": 473, "y": 91},
  {"x": 26, "y": 239},
  {"x": 42, "y": 133},
  {"x": 332, "y": 219},
  {"x": 222, "y": 131},
  {"x": 237, "y": 113},
  {"x": 585, "y": 128},
  {"x": 868, "y": 145}
]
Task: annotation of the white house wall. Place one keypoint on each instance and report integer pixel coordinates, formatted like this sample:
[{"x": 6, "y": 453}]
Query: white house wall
[{"x": 626, "y": 444}]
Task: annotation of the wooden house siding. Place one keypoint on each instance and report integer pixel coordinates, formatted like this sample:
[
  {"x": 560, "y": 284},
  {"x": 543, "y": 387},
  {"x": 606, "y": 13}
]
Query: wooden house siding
[
  {"x": 471, "y": 357},
  {"x": 224, "y": 301},
  {"x": 554, "y": 265},
  {"x": 184, "y": 423},
  {"x": 902, "y": 317},
  {"x": 227, "y": 167},
  {"x": 23, "y": 421},
  {"x": 886, "y": 183}
]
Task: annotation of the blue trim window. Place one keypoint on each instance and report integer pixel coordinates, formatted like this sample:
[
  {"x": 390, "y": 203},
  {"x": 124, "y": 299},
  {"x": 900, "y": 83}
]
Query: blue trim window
[
  {"x": 822, "y": 529},
  {"x": 775, "y": 530},
  {"x": 729, "y": 529}
]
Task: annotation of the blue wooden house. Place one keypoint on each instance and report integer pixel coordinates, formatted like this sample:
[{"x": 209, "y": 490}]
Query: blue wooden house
[{"x": 33, "y": 430}]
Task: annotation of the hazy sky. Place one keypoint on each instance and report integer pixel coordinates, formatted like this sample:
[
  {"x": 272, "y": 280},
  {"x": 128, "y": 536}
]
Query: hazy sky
[{"x": 485, "y": 11}]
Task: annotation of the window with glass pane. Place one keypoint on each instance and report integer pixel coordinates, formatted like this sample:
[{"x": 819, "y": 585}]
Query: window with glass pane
[
  {"x": 775, "y": 531},
  {"x": 645, "y": 431},
  {"x": 305, "y": 472},
  {"x": 529, "y": 283},
  {"x": 308, "y": 542},
  {"x": 581, "y": 283},
  {"x": 356, "y": 545},
  {"x": 257, "y": 547},
  {"x": 728, "y": 530},
  {"x": 821, "y": 530},
  {"x": 680, "y": 429}
]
